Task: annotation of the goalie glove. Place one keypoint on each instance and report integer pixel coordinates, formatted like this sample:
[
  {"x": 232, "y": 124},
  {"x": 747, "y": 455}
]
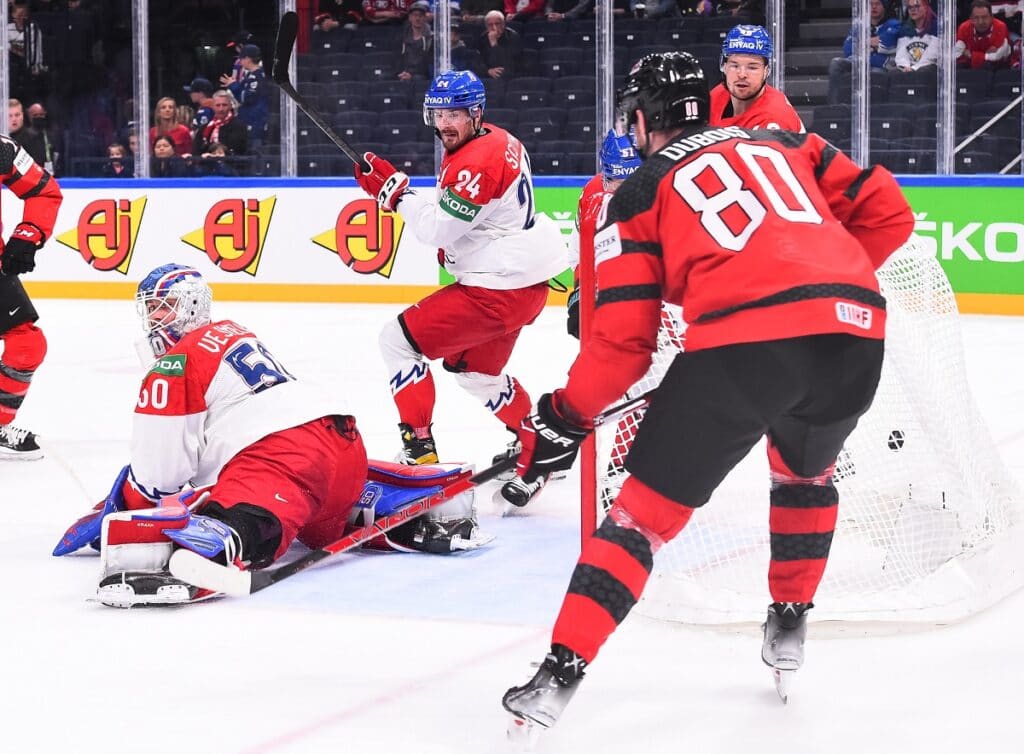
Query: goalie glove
[
  {"x": 384, "y": 182},
  {"x": 550, "y": 440},
  {"x": 19, "y": 254},
  {"x": 86, "y": 530}
]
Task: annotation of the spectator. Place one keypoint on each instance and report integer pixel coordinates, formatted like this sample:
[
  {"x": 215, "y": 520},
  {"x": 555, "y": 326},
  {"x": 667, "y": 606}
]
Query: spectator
[
  {"x": 982, "y": 41},
  {"x": 325, "y": 22},
  {"x": 236, "y": 44},
  {"x": 200, "y": 91},
  {"x": 570, "y": 10},
  {"x": 654, "y": 8},
  {"x": 884, "y": 32},
  {"x": 253, "y": 95},
  {"x": 76, "y": 73},
  {"x": 118, "y": 164},
  {"x": 26, "y": 54},
  {"x": 500, "y": 47},
  {"x": 53, "y": 139},
  {"x": 225, "y": 127},
  {"x": 416, "y": 61},
  {"x": 918, "y": 47},
  {"x": 133, "y": 144},
  {"x": 165, "y": 163},
  {"x": 214, "y": 162},
  {"x": 27, "y": 138},
  {"x": 385, "y": 11},
  {"x": 521, "y": 11},
  {"x": 465, "y": 58},
  {"x": 475, "y": 11},
  {"x": 166, "y": 123},
  {"x": 348, "y": 13}
]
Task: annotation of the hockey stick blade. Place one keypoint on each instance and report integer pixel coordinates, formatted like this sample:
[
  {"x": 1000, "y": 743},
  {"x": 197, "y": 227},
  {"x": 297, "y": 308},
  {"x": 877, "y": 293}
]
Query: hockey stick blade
[
  {"x": 286, "y": 33},
  {"x": 197, "y": 570}
]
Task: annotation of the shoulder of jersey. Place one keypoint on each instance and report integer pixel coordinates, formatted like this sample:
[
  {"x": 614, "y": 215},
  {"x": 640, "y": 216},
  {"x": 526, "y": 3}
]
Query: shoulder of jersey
[{"x": 484, "y": 153}]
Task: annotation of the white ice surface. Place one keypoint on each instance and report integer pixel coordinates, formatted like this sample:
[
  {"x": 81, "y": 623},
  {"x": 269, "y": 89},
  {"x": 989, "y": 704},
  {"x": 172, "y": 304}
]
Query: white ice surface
[{"x": 412, "y": 653}]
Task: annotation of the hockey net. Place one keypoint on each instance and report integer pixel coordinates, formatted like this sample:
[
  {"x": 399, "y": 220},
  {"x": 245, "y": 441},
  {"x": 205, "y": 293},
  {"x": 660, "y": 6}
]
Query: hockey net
[{"x": 930, "y": 520}]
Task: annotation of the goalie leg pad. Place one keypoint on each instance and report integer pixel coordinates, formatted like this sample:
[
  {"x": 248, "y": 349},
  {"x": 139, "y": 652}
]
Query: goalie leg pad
[{"x": 450, "y": 527}]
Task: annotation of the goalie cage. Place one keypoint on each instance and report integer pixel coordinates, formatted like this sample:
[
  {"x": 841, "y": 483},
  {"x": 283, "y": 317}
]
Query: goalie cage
[{"x": 930, "y": 520}]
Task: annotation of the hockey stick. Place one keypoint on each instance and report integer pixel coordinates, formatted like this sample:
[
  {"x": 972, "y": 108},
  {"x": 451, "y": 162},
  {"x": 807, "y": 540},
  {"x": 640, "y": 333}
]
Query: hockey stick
[
  {"x": 286, "y": 33},
  {"x": 199, "y": 571},
  {"x": 195, "y": 569}
]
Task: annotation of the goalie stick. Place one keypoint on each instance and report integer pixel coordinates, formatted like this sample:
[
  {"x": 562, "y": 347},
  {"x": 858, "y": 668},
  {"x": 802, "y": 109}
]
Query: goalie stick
[
  {"x": 286, "y": 33},
  {"x": 197, "y": 570}
]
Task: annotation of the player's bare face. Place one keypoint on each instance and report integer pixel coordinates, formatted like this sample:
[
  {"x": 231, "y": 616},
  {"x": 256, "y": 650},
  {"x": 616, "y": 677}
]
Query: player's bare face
[
  {"x": 455, "y": 126},
  {"x": 745, "y": 75}
]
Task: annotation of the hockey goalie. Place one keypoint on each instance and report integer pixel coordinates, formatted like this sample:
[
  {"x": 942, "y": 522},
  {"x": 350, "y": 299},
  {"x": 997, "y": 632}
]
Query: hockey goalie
[{"x": 233, "y": 458}]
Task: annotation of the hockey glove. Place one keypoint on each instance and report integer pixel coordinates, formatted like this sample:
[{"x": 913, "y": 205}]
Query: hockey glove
[
  {"x": 572, "y": 323},
  {"x": 384, "y": 182},
  {"x": 19, "y": 253},
  {"x": 550, "y": 441}
]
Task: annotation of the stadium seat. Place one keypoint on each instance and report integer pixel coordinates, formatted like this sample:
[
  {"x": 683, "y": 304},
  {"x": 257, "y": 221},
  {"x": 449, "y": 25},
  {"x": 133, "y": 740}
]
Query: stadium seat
[
  {"x": 891, "y": 128},
  {"x": 716, "y": 28},
  {"x": 582, "y": 163},
  {"x": 832, "y": 122},
  {"x": 680, "y": 37},
  {"x": 632, "y": 37},
  {"x": 505, "y": 117},
  {"x": 905, "y": 161},
  {"x": 355, "y": 133},
  {"x": 912, "y": 87},
  {"x": 971, "y": 162},
  {"x": 306, "y": 68},
  {"x": 972, "y": 85},
  {"x": 384, "y": 101},
  {"x": 549, "y": 163},
  {"x": 582, "y": 131},
  {"x": 543, "y": 36},
  {"x": 344, "y": 118},
  {"x": 322, "y": 164},
  {"x": 369, "y": 39},
  {"x": 539, "y": 132},
  {"x": 553, "y": 115},
  {"x": 326, "y": 42},
  {"x": 528, "y": 92}
]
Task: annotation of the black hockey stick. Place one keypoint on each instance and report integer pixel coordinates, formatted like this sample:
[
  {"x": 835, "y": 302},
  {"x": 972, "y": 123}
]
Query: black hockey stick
[{"x": 286, "y": 33}]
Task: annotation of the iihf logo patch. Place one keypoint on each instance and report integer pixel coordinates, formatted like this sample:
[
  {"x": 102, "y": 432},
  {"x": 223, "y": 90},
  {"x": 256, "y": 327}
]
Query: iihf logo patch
[{"x": 851, "y": 314}]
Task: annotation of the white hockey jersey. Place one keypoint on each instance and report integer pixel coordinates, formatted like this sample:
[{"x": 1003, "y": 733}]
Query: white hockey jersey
[
  {"x": 216, "y": 392},
  {"x": 482, "y": 216}
]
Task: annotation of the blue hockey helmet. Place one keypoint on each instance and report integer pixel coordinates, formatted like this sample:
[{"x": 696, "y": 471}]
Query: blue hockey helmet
[
  {"x": 453, "y": 90},
  {"x": 747, "y": 39},
  {"x": 172, "y": 300},
  {"x": 619, "y": 158}
]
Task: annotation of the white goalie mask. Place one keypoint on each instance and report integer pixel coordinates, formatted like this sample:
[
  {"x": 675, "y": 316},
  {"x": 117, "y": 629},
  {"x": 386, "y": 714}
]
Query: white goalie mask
[{"x": 172, "y": 300}]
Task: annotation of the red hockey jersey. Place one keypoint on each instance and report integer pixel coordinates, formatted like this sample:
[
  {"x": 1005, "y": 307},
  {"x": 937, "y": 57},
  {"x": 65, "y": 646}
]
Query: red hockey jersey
[
  {"x": 758, "y": 235},
  {"x": 40, "y": 192},
  {"x": 770, "y": 109}
]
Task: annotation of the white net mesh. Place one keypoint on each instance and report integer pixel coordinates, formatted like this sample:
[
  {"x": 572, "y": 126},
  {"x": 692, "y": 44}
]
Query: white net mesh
[{"x": 929, "y": 519}]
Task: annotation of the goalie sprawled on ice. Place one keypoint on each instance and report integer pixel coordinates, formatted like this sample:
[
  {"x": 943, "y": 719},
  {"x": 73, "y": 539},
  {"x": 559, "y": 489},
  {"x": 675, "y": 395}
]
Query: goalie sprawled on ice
[{"x": 233, "y": 458}]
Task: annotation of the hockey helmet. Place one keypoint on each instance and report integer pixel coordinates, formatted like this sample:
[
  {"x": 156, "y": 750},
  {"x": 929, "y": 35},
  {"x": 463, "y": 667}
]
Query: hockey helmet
[
  {"x": 669, "y": 88},
  {"x": 454, "y": 90},
  {"x": 747, "y": 39},
  {"x": 172, "y": 300},
  {"x": 619, "y": 158}
]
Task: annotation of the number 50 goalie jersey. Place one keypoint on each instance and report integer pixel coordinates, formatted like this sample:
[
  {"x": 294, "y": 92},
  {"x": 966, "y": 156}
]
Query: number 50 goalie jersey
[
  {"x": 483, "y": 217},
  {"x": 216, "y": 392},
  {"x": 758, "y": 235}
]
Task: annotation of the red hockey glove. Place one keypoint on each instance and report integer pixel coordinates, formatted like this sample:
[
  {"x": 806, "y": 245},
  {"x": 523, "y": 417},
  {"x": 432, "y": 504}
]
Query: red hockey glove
[
  {"x": 19, "y": 253},
  {"x": 384, "y": 182},
  {"x": 550, "y": 441}
]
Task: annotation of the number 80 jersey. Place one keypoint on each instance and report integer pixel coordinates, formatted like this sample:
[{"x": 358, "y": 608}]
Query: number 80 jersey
[
  {"x": 484, "y": 218},
  {"x": 216, "y": 392}
]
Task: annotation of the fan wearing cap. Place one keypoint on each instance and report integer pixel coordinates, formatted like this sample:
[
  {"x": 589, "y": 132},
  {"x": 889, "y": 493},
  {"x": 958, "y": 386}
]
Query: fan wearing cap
[
  {"x": 252, "y": 94},
  {"x": 744, "y": 98},
  {"x": 200, "y": 91},
  {"x": 235, "y": 45}
]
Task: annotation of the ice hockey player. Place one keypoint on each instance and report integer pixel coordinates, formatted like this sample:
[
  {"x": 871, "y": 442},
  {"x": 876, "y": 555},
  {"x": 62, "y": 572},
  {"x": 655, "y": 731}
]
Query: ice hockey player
[
  {"x": 218, "y": 414},
  {"x": 769, "y": 241},
  {"x": 744, "y": 98},
  {"x": 24, "y": 343},
  {"x": 501, "y": 254}
]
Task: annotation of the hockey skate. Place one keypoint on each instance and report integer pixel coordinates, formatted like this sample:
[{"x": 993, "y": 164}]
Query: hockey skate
[
  {"x": 537, "y": 705},
  {"x": 512, "y": 451},
  {"x": 517, "y": 492},
  {"x": 418, "y": 448},
  {"x": 18, "y": 444},
  {"x": 783, "y": 650},
  {"x": 148, "y": 589}
]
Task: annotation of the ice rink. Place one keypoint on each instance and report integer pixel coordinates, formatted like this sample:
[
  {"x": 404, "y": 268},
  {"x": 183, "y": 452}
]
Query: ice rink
[{"x": 411, "y": 653}]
